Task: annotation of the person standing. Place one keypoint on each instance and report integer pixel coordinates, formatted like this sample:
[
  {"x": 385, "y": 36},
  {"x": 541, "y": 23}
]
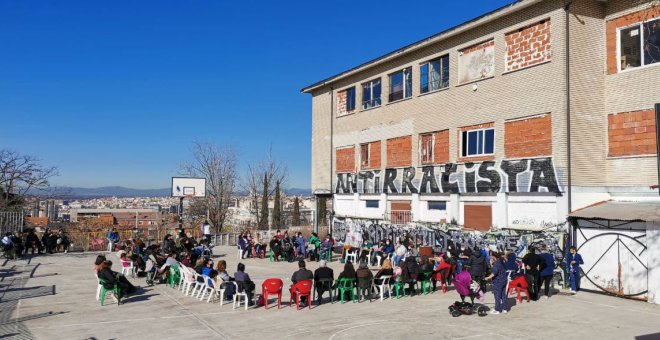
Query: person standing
[
  {"x": 113, "y": 238},
  {"x": 206, "y": 231},
  {"x": 573, "y": 262},
  {"x": 547, "y": 270},
  {"x": 499, "y": 276},
  {"x": 478, "y": 267},
  {"x": 532, "y": 263}
]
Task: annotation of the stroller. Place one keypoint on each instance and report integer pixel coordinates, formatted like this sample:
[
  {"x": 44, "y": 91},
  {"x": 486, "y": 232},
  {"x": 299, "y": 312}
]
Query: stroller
[{"x": 467, "y": 288}]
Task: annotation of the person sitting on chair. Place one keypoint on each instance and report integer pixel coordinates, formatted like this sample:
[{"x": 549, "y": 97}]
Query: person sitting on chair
[
  {"x": 244, "y": 282},
  {"x": 365, "y": 250},
  {"x": 326, "y": 248},
  {"x": 300, "y": 275},
  {"x": 365, "y": 278},
  {"x": 323, "y": 272},
  {"x": 112, "y": 278},
  {"x": 276, "y": 248}
]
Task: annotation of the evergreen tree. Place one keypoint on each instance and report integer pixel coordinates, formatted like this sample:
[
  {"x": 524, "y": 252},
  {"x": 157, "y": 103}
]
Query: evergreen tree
[
  {"x": 263, "y": 219},
  {"x": 277, "y": 207},
  {"x": 296, "y": 212}
]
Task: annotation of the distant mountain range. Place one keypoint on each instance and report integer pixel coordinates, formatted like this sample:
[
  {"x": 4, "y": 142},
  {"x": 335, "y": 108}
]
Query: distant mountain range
[{"x": 117, "y": 191}]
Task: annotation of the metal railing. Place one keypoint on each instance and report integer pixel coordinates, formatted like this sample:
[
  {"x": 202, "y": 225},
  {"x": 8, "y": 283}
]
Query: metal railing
[
  {"x": 11, "y": 221},
  {"x": 398, "y": 216}
]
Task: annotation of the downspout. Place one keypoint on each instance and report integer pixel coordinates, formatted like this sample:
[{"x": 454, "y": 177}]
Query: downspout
[
  {"x": 332, "y": 121},
  {"x": 567, "y": 75}
]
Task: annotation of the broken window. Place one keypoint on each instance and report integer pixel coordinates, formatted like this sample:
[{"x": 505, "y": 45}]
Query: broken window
[
  {"x": 371, "y": 94},
  {"x": 434, "y": 75},
  {"x": 478, "y": 142},
  {"x": 426, "y": 148},
  {"x": 401, "y": 84},
  {"x": 364, "y": 155},
  {"x": 639, "y": 45}
]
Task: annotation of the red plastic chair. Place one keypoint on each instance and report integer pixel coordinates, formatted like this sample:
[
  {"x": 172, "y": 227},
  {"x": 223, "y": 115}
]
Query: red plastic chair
[
  {"x": 272, "y": 287},
  {"x": 520, "y": 285},
  {"x": 300, "y": 289},
  {"x": 438, "y": 277}
]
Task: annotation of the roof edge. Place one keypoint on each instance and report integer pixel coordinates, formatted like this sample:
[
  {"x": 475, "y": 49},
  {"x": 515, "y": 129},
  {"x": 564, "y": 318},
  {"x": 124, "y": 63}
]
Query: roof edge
[{"x": 450, "y": 32}]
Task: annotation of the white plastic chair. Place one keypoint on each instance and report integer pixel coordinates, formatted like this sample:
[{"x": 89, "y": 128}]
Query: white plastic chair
[
  {"x": 238, "y": 295},
  {"x": 188, "y": 280},
  {"x": 240, "y": 253},
  {"x": 218, "y": 291},
  {"x": 385, "y": 284},
  {"x": 206, "y": 287},
  {"x": 193, "y": 284},
  {"x": 351, "y": 255},
  {"x": 98, "y": 292},
  {"x": 130, "y": 269},
  {"x": 368, "y": 257}
]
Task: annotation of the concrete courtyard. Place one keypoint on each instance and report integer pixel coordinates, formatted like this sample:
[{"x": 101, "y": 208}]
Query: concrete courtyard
[{"x": 52, "y": 297}]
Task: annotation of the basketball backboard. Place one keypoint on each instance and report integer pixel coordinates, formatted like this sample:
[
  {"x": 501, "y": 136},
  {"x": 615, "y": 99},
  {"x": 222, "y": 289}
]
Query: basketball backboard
[{"x": 188, "y": 187}]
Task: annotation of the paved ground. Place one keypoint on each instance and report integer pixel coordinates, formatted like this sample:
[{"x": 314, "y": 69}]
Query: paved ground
[{"x": 52, "y": 297}]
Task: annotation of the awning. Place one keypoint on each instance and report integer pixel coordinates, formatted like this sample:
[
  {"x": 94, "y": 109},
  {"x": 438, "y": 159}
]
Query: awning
[{"x": 621, "y": 211}]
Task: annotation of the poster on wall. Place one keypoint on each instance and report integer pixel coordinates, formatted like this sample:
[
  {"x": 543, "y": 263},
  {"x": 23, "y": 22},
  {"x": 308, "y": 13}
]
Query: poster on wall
[{"x": 476, "y": 62}]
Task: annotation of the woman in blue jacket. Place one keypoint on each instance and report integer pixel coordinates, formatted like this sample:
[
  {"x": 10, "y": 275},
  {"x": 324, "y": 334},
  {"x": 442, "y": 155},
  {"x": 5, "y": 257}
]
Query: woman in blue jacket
[
  {"x": 573, "y": 262},
  {"x": 499, "y": 276}
]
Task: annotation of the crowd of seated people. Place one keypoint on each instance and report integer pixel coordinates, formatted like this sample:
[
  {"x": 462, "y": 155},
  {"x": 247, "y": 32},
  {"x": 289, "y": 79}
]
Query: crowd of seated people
[{"x": 17, "y": 244}]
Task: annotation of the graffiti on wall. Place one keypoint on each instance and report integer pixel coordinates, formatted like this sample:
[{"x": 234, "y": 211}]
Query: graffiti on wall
[
  {"x": 523, "y": 175},
  {"x": 354, "y": 231}
]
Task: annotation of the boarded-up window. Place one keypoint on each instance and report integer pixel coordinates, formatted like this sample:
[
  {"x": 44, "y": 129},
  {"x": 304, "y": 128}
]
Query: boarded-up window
[
  {"x": 364, "y": 155},
  {"x": 478, "y": 217},
  {"x": 426, "y": 152}
]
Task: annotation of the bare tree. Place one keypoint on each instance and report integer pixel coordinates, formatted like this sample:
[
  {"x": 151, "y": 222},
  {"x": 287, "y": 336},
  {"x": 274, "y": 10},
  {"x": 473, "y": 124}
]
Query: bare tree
[
  {"x": 260, "y": 185},
  {"x": 20, "y": 174},
  {"x": 218, "y": 164}
]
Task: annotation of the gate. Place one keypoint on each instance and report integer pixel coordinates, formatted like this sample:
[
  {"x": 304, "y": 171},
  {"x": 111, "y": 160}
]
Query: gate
[{"x": 615, "y": 256}]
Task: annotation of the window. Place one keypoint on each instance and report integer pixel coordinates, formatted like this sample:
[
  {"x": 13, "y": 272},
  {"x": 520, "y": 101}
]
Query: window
[
  {"x": 401, "y": 84},
  {"x": 364, "y": 155},
  {"x": 478, "y": 142},
  {"x": 372, "y": 203},
  {"x": 437, "y": 205},
  {"x": 639, "y": 45},
  {"x": 426, "y": 148},
  {"x": 350, "y": 99},
  {"x": 434, "y": 75},
  {"x": 371, "y": 94}
]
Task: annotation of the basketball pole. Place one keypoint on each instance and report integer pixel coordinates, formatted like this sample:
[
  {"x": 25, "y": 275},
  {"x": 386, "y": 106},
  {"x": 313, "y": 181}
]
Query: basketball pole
[{"x": 180, "y": 213}]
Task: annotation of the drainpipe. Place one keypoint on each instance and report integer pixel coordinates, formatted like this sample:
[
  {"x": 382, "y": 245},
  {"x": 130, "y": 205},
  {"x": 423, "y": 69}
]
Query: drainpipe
[
  {"x": 567, "y": 10},
  {"x": 332, "y": 121}
]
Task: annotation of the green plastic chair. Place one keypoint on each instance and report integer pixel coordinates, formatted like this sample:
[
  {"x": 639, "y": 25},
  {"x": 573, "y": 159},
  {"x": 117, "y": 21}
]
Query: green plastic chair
[
  {"x": 399, "y": 287},
  {"x": 270, "y": 256},
  {"x": 104, "y": 291},
  {"x": 344, "y": 285},
  {"x": 175, "y": 276},
  {"x": 426, "y": 282}
]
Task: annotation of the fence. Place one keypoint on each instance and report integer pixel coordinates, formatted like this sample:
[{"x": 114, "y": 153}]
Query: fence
[
  {"x": 11, "y": 221},
  {"x": 398, "y": 216}
]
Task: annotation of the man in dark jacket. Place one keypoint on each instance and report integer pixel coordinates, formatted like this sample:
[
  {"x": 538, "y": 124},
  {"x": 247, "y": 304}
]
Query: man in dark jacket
[
  {"x": 413, "y": 271},
  {"x": 532, "y": 263},
  {"x": 478, "y": 267},
  {"x": 547, "y": 269},
  {"x": 302, "y": 273},
  {"x": 323, "y": 272}
]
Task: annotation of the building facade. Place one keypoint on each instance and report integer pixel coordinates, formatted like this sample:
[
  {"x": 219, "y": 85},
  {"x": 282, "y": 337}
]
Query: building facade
[{"x": 510, "y": 120}]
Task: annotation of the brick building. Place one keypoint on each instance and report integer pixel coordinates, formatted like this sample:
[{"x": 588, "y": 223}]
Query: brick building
[{"x": 512, "y": 119}]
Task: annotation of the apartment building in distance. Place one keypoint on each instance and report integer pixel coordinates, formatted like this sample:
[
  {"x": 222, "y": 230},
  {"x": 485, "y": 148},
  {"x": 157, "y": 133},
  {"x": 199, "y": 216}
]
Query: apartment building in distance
[{"x": 513, "y": 119}]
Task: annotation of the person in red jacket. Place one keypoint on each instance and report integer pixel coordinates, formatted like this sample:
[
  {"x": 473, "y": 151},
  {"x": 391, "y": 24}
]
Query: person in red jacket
[{"x": 440, "y": 271}]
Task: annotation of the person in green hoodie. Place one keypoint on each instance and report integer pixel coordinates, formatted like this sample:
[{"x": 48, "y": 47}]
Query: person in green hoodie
[{"x": 313, "y": 247}]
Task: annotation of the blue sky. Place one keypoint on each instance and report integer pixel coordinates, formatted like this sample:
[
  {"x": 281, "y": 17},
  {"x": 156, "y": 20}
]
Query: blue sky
[{"x": 115, "y": 92}]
